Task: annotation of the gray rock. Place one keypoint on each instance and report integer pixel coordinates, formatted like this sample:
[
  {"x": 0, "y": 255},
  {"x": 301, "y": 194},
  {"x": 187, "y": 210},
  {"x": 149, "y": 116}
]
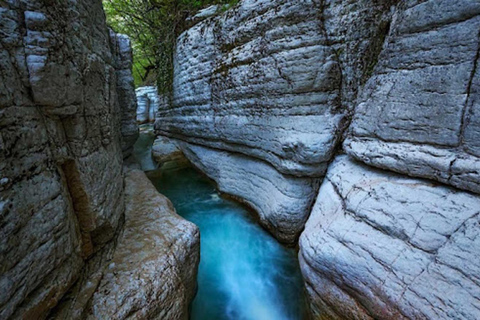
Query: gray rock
[
  {"x": 61, "y": 196},
  {"x": 149, "y": 101},
  {"x": 283, "y": 202},
  {"x": 167, "y": 154},
  {"x": 381, "y": 246},
  {"x": 274, "y": 79},
  {"x": 125, "y": 90},
  {"x": 418, "y": 114},
  {"x": 153, "y": 271}
]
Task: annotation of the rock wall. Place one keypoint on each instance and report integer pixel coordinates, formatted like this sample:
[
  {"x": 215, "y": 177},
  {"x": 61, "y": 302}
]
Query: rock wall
[
  {"x": 149, "y": 101},
  {"x": 122, "y": 54},
  {"x": 67, "y": 111},
  {"x": 265, "y": 80},
  {"x": 266, "y": 93}
]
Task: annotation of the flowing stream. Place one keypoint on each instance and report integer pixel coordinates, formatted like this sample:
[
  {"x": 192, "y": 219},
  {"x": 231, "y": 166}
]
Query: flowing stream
[{"x": 244, "y": 273}]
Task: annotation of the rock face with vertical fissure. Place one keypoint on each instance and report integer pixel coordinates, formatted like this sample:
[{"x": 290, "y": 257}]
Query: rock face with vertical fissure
[
  {"x": 67, "y": 120},
  {"x": 273, "y": 82},
  {"x": 270, "y": 95}
]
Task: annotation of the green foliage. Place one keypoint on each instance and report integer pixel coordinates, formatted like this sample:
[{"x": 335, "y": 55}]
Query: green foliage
[{"x": 153, "y": 26}]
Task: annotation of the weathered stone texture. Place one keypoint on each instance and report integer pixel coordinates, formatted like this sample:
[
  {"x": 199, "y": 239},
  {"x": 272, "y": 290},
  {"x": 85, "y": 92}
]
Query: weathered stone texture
[
  {"x": 274, "y": 80},
  {"x": 281, "y": 201},
  {"x": 382, "y": 246},
  {"x": 61, "y": 193},
  {"x": 122, "y": 50},
  {"x": 153, "y": 271},
  {"x": 418, "y": 114},
  {"x": 264, "y": 79},
  {"x": 263, "y": 95}
]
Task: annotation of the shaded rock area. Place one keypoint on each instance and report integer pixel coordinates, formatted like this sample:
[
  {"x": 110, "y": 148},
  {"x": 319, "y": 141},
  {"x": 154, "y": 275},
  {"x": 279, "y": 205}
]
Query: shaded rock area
[
  {"x": 167, "y": 154},
  {"x": 61, "y": 161},
  {"x": 272, "y": 93},
  {"x": 149, "y": 273},
  {"x": 67, "y": 120},
  {"x": 125, "y": 90}
]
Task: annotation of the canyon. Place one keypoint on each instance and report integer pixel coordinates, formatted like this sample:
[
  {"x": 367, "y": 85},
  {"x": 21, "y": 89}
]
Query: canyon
[{"x": 351, "y": 128}]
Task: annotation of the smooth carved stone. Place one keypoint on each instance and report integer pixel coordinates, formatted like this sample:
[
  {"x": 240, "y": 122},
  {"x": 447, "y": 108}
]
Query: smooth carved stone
[
  {"x": 153, "y": 271},
  {"x": 260, "y": 80},
  {"x": 381, "y": 246},
  {"x": 167, "y": 154},
  {"x": 418, "y": 114},
  {"x": 283, "y": 202}
]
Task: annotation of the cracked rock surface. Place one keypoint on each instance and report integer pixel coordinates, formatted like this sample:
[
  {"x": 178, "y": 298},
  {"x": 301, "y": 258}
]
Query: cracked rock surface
[
  {"x": 419, "y": 112},
  {"x": 271, "y": 94},
  {"x": 391, "y": 247},
  {"x": 273, "y": 82}
]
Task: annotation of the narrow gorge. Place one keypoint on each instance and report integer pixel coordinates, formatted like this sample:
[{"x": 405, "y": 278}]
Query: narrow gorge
[{"x": 315, "y": 159}]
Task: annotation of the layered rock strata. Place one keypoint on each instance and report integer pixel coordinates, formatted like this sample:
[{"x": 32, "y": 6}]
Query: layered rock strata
[
  {"x": 419, "y": 112},
  {"x": 67, "y": 111},
  {"x": 275, "y": 80},
  {"x": 381, "y": 246},
  {"x": 279, "y": 199},
  {"x": 149, "y": 101},
  {"x": 265, "y": 93}
]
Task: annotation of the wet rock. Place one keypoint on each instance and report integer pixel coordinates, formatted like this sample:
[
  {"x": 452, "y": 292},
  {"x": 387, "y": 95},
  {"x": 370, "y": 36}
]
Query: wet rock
[
  {"x": 281, "y": 201},
  {"x": 382, "y": 246},
  {"x": 167, "y": 154},
  {"x": 153, "y": 271}
]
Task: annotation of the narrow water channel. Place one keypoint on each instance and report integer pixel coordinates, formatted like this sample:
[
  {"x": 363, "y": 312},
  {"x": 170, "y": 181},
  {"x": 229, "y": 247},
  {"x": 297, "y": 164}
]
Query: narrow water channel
[{"x": 244, "y": 273}]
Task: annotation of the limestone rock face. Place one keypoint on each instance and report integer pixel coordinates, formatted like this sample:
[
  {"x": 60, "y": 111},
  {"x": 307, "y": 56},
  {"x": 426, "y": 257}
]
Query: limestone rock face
[
  {"x": 419, "y": 112},
  {"x": 61, "y": 185},
  {"x": 153, "y": 271},
  {"x": 264, "y": 79},
  {"x": 381, "y": 246},
  {"x": 280, "y": 200},
  {"x": 125, "y": 90},
  {"x": 274, "y": 81},
  {"x": 148, "y": 103},
  {"x": 264, "y": 95}
]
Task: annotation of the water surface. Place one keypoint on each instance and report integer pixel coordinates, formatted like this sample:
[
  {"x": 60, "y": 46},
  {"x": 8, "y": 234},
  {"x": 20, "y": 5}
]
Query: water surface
[{"x": 244, "y": 273}]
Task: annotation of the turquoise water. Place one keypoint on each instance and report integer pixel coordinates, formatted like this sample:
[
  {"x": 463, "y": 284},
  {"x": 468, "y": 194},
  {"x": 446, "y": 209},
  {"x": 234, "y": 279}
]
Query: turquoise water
[{"x": 244, "y": 273}]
